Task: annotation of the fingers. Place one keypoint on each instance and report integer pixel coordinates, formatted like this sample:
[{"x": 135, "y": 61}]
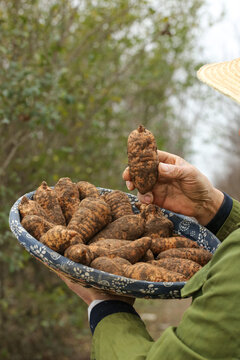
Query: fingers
[
  {"x": 126, "y": 177},
  {"x": 170, "y": 171},
  {"x": 166, "y": 157}
]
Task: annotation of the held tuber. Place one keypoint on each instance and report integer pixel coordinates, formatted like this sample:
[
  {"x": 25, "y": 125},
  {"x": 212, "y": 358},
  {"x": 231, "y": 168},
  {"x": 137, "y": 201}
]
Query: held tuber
[{"x": 142, "y": 159}]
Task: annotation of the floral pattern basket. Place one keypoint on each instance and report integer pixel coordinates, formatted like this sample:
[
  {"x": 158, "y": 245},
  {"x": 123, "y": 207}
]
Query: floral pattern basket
[{"x": 115, "y": 284}]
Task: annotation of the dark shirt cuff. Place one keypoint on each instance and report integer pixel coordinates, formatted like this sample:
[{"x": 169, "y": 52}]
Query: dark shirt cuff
[
  {"x": 219, "y": 219},
  {"x": 106, "y": 308}
]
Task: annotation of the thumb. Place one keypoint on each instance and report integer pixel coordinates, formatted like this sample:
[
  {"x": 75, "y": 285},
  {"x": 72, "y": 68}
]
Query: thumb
[
  {"x": 145, "y": 198},
  {"x": 171, "y": 171}
]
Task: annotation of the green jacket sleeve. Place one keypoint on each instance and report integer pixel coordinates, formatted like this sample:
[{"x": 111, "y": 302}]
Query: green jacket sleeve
[
  {"x": 209, "y": 328},
  {"x": 231, "y": 223}
]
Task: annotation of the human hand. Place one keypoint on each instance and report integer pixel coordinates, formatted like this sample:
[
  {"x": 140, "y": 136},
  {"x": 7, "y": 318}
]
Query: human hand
[
  {"x": 181, "y": 188},
  {"x": 90, "y": 294}
]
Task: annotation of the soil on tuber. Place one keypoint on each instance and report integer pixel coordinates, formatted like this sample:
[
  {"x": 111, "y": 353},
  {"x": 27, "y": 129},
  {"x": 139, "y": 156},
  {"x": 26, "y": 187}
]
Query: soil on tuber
[
  {"x": 36, "y": 225},
  {"x": 47, "y": 198},
  {"x": 68, "y": 197},
  {"x": 128, "y": 227},
  {"x": 59, "y": 238},
  {"x": 92, "y": 215},
  {"x": 142, "y": 159}
]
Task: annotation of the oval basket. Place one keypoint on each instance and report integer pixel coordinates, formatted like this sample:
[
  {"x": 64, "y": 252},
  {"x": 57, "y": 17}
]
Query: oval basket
[{"x": 115, "y": 284}]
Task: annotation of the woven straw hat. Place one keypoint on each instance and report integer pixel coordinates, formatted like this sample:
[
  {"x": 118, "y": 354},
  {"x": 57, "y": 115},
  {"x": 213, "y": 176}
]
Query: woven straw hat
[{"x": 224, "y": 77}]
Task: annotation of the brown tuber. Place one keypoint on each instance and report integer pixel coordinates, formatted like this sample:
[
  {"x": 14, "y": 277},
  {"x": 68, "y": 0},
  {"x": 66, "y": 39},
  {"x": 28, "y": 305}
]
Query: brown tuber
[
  {"x": 47, "y": 198},
  {"x": 92, "y": 215},
  {"x": 79, "y": 253},
  {"x": 160, "y": 244},
  {"x": 112, "y": 266},
  {"x": 155, "y": 221},
  {"x": 36, "y": 225},
  {"x": 185, "y": 267},
  {"x": 128, "y": 227},
  {"x": 148, "y": 256},
  {"x": 148, "y": 272},
  {"x": 59, "y": 238},
  {"x": 142, "y": 159},
  {"x": 68, "y": 197},
  {"x": 119, "y": 203},
  {"x": 133, "y": 251},
  {"x": 31, "y": 207},
  {"x": 87, "y": 189},
  {"x": 100, "y": 248},
  {"x": 201, "y": 256}
]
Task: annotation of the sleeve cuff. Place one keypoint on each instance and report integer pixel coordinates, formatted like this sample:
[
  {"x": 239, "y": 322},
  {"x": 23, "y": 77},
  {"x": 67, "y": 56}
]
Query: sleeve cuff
[
  {"x": 108, "y": 307},
  {"x": 216, "y": 223}
]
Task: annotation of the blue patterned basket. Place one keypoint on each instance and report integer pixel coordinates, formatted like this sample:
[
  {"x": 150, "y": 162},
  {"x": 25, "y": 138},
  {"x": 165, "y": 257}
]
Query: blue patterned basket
[{"x": 115, "y": 284}]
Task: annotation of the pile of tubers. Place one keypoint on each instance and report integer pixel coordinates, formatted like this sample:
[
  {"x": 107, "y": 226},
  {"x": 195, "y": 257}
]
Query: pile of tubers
[{"x": 103, "y": 232}]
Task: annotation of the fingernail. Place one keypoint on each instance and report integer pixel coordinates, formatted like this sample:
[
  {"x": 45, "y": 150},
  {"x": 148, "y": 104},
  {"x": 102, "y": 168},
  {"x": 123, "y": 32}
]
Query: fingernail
[
  {"x": 165, "y": 167},
  {"x": 129, "y": 185},
  {"x": 147, "y": 199}
]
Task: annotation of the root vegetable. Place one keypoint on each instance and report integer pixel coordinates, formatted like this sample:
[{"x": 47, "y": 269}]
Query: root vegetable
[
  {"x": 68, "y": 197},
  {"x": 87, "y": 189},
  {"x": 101, "y": 247},
  {"x": 119, "y": 203},
  {"x": 79, "y": 253},
  {"x": 201, "y": 256},
  {"x": 92, "y": 215},
  {"x": 142, "y": 159},
  {"x": 31, "y": 207},
  {"x": 132, "y": 252},
  {"x": 147, "y": 257},
  {"x": 112, "y": 266},
  {"x": 59, "y": 238},
  {"x": 156, "y": 223},
  {"x": 128, "y": 227},
  {"x": 185, "y": 267},
  {"x": 47, "y": 198},
  {"x": 36, "y": 225},
  {"x": 160, "y": 244},
  {"x": 148, "y": 272}
]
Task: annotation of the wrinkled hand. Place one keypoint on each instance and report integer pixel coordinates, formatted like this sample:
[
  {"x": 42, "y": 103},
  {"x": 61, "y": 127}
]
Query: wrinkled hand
[
  {"x": 90, "y": 294},
  {"x": 181, "y": 188}
]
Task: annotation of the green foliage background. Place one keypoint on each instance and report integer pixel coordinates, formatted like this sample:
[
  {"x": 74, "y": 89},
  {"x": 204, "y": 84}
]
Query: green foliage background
[{"x": 75, "y": 78}]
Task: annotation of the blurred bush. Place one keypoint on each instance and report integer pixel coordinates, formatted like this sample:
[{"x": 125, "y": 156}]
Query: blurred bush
[{"x": 75, "y": 78}]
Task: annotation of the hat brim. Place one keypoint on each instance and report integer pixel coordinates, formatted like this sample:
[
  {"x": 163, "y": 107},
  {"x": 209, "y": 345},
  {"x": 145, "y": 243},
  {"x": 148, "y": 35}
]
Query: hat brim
[{"x": 224, "y": 77}]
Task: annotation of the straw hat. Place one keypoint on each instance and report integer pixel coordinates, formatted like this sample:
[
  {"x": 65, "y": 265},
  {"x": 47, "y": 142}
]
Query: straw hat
[{"x": 224, "y": 77}]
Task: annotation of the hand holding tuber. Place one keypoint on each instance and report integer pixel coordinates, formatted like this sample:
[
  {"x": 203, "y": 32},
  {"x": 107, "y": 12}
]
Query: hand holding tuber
[{"x": 181, "y": 188}]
